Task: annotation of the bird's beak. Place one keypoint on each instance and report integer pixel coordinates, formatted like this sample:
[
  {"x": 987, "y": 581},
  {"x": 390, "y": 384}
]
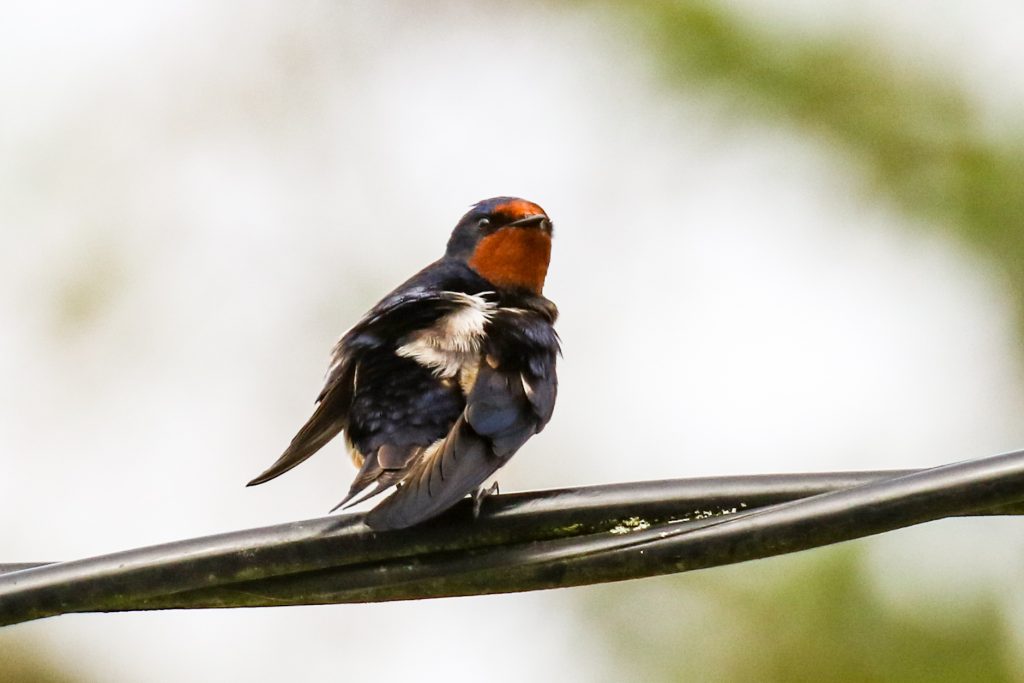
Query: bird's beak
[{"x": 537, "y": 219}]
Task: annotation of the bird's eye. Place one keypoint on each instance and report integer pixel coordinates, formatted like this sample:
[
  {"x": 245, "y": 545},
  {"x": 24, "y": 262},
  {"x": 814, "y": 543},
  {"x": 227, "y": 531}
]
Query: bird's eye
[{"x": 483, "y": 223}]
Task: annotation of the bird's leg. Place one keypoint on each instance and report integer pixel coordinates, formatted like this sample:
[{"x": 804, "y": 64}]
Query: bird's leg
[{"x": 479, "y": 494}]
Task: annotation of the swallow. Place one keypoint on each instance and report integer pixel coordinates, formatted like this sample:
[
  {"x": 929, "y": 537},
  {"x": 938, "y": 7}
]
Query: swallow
[{"x": 441, "y": 382}]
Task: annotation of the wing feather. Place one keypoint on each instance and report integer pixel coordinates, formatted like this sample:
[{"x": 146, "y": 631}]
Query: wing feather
[
  {"x": 497, "y": 421},
  {"x": 412, "y": 306},
  {"x": 443, "y": 477},
  {"x": 329, "y": 418}
]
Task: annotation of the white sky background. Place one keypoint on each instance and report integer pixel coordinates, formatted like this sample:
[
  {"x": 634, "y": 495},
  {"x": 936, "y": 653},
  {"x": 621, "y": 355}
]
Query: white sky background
[{"x": 223, "y": 190}]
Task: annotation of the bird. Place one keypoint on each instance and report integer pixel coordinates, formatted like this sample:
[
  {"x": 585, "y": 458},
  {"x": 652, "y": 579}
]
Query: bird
[{"x": 445, "y": 378}]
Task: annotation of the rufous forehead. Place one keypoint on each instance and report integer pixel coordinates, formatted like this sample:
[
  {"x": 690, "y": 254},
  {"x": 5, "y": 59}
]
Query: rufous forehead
[{"x": 518, "y": 208}]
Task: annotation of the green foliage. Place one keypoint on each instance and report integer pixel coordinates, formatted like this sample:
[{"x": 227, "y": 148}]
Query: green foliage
[
  {"x": 922, "y": 145},
  {"x": 806, "y": 617},
  {"x": 917, "y": 137}
]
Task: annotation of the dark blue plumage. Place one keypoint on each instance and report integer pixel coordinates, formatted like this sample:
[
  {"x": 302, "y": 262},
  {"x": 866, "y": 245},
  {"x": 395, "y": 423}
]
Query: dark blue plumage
[{"x": 441, "y": 382}]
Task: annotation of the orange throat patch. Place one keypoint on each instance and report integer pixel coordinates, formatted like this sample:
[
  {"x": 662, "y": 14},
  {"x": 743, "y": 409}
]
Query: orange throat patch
[{"x": 514, "y": 257}]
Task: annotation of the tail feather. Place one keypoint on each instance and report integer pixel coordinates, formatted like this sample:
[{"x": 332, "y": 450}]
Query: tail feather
[
  {"x": 498, "y": 419},
  {"x": 386, "y": 481},
  {"x": 461, "y": 463},
  {"x": 373, "y": 471}
]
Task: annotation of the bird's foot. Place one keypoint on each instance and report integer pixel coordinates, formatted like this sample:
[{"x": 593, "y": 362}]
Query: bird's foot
[{"x": 479, "y": 494}]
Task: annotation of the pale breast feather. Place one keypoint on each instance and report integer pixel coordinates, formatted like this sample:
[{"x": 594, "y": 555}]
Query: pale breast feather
[{"x": 454, "y": 341}]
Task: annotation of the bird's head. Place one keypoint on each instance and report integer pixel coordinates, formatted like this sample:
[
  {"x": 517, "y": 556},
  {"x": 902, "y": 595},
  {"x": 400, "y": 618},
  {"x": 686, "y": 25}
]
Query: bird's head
[{"x": 507, "y": 241}]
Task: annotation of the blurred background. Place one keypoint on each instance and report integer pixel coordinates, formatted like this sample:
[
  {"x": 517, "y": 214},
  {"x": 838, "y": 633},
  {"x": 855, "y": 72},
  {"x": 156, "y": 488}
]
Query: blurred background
[{"x": 789, "y": 238}]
